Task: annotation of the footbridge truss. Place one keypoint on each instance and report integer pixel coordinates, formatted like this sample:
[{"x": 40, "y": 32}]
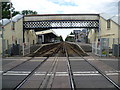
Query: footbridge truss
[{"x": 51, "y": 21}]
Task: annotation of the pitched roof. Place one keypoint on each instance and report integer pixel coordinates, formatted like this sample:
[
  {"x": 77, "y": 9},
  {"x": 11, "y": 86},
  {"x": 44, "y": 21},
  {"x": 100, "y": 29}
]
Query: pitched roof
[
  {"x": 17, "y": 17},
  {"x": 14, "y": 19},
  {"x": 4, "y": 21},
  {"x": 46, "y": 32},
  {"x": 113, "y": 18}
]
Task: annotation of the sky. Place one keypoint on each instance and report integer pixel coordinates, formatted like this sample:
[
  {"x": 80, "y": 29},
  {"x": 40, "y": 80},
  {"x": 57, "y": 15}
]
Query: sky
[{"x": 67, "y": 7}]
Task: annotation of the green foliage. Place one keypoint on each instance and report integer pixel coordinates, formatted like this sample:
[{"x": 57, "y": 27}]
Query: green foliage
[
  {"x": 15, "y": 13},
  {"x": 29, "y": 12},
  {"x": 6, "y": 8},
  {"x": 69, "y": 39},
  {"x": 59, "y": 38},
  {"x": 71, "y": 33}
]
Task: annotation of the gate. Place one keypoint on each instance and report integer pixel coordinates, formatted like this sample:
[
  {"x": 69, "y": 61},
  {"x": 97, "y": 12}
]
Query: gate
[
  {"x": 107, "y": 47},
  {"x": 116, "y": 47}
]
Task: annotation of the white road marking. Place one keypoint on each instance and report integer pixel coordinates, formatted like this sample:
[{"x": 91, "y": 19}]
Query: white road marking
[
  {"x": 81, "y": 73},
  {"x": 14, "y": 59},
  {"x": 15, "y": 74},
  {"x": 115, "y": 71},
  {"x": 85, "y": 72},
  {"x": 105, "y": 59},
  {"x": 110, "y": 74}
]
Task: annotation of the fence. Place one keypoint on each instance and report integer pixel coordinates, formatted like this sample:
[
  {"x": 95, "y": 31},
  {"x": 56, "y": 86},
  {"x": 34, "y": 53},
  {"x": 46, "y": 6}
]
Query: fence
[
  {"x": 11, "y": 49},
  {"x": 107, "y": 47}
]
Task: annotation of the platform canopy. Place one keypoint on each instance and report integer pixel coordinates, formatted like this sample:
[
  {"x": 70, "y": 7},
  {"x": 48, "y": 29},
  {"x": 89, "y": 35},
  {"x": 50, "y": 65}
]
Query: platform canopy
[
  {"x": 46, "y": 32},
  {"x": 50, "y": 21}
]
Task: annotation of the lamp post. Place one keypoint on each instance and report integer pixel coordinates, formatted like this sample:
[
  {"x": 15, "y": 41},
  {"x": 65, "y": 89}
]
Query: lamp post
[
  {"x": 1, "y": 25},
  {"x": 1, "y": 29},
  {"x": 119, "y": 27}
]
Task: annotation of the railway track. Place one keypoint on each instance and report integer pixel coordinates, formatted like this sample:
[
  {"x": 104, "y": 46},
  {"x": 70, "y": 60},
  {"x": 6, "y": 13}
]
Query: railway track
[
  {"x": 47, "y": 82},
  {"x": 51, "y": 72},
  {"x": 54, "y": 51},
  {"x": 72, "y": 82},
  {"x": 44, "y": 82},
  {"x": 100, "y": 72},
  {"x": 36, "y": 54}
]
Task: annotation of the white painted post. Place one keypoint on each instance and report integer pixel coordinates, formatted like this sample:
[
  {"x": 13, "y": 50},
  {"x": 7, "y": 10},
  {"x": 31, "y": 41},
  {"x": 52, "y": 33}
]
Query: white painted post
[
  {"x": 43, "y": 39},
  {"x": 100, "y": 52}
]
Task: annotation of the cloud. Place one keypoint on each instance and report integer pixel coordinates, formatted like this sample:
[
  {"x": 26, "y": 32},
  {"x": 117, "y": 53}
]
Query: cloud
[{"x": 66, "y": 6}]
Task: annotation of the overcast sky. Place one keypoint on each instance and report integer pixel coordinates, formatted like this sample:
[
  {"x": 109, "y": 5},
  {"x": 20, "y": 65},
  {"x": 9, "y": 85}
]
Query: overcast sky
[{"x": 67, "y": 7}]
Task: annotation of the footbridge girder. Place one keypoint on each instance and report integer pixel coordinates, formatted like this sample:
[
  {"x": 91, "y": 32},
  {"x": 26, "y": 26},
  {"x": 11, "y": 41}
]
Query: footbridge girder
[{"x": 39, "y": 22}]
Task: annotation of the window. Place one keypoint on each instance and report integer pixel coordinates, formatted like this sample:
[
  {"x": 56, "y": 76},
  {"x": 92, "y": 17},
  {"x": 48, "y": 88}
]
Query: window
[{"x": 108, "y": 24}]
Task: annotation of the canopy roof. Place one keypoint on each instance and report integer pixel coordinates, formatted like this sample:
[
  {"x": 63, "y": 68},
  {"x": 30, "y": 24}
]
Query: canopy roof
[{"x": 46, "y": 32}]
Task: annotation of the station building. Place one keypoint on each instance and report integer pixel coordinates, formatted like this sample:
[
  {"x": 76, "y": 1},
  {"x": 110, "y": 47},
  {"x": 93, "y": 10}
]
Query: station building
[
  {"x": 109, "y": 33},
  {"x": 80, "y": 35},
  {"x": 46, "y": 36},
  {"x": 13, "y": 35}
]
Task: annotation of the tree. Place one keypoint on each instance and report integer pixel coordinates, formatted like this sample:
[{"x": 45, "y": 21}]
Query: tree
[
  {"x": 7, "y": 10},
  {"x": 61, "y": 39},
  {"x": 29, "y": 12},
  {"x": 15, "y": 13},
  {"x": 71, "y": 33}
]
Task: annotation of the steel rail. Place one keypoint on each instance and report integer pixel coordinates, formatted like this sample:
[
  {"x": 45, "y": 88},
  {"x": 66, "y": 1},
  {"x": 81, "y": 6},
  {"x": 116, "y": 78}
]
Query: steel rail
[
  {"x": 73, "y": 87},
  {"x": 49, "y": 79},
  {"x": 25, "y": 61},
  {"x": 43, "y": 52},
  {"x": 102, "y": 73},
  {"x": 30, "y": 74},
  {"x": 21, "y": 63},
  {"x": 45, "y": 81},
  {"x": 17, "y": 65}
]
